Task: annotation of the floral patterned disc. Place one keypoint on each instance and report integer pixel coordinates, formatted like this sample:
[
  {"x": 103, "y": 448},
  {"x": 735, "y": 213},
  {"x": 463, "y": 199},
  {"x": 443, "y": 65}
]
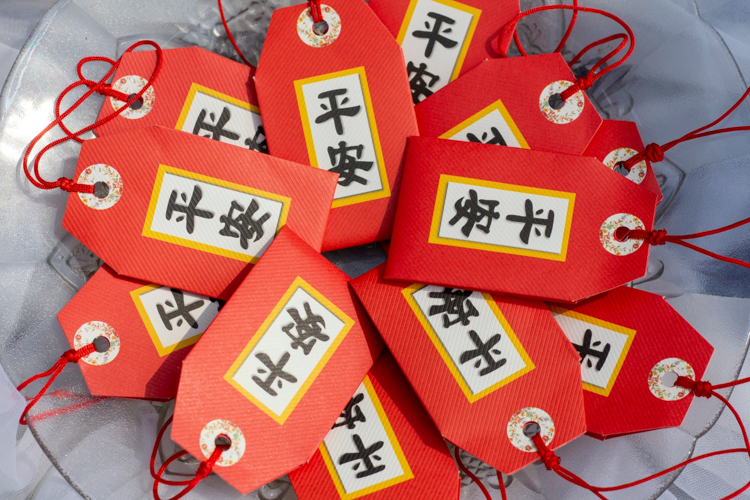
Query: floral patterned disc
[
  {"x": 569, "y": 112},
  {"x": 215, "y": 428},
  {"x": 101, "y": 173},
  {"x": 86, "y": 335},
  {"x": 305, "y": 27},
  {"x": 612, "y": 244},
  {"x": 637, "y": 172},
  {"x": 132, "y": 84},
  {"x": 664, "y": 366},
  {"x": 523, "y": 417}
]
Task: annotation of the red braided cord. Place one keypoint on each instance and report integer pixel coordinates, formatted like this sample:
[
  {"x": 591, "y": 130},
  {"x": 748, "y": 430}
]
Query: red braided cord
[
  {"x": 588, "y": 80},
  {"x": 315, "y": 11},
  {"x": 204, "y": 469},
  {"x": 564, "y": 38},
  {"x": 71, "y": 356},
  {"x": 100, "y": 86},
  {"x": 457, "y": 454},
  {"x": 657, "y": 152},
  {"x": 229, "y": 34},
  {"x": 660, "y": 237}
]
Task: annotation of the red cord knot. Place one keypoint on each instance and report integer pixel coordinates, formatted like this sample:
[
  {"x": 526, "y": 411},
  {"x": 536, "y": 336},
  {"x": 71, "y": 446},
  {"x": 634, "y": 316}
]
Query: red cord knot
[
  {"x": 74, "y": 356},
  {"x": 581, "y": 84},
  {"x": 204, "y": 470},
  {"x": 701, "y": 389},
  {"x": 73, "y": 187},
  {"x": 107, "y": 91},
  {"x": 654, "y": 153},
  {"x": 654, "y": 238},
  {"x": 547, "y": 456}
]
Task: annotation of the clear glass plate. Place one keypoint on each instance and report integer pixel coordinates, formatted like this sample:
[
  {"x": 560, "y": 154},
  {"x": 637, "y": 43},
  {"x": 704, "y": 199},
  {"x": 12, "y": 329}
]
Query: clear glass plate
[{"x": 681, "y": 76}]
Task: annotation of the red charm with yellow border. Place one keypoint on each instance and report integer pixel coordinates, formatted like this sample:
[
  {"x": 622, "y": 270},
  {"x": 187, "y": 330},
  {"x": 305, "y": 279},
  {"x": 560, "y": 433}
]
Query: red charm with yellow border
[
  {"x": 408, "y": 457},
  {"x": 482, "y": 365},
  {"x": 276, "y": 367},
  {"x": 513, "y": 221},
  {"x": 192, "y": 214},
  {"x": 340, "y": 102}
]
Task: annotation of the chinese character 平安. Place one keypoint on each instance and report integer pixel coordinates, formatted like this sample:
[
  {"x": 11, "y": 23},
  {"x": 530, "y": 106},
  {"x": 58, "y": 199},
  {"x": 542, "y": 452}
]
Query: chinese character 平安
[
  {"x": 435, "y": 35},
  {"x": 474, "y": 214},
  {"x": 421, "y": 82},
  {"x": 529, "y": 221},
  {"x": 352, "y": 413},
  {"x": 310, "y": 328},
  {"x": 275, "y": 371},
  {"x": 333, "y": 111},
  {"x": 346, "y": 165},
  {"x": 190, "y": 211},
  {"x": 217, "y": 130},
  {"x": 363, "y": 453},
  {"x": 246, "y": 227},
  {"x": 485, "y": 351},
  {"x": 455, "y": 302},
  {"x": 181, "y": 310},
  {"x": 497, "y": 138},
  {"x": 586, "y": 349}
]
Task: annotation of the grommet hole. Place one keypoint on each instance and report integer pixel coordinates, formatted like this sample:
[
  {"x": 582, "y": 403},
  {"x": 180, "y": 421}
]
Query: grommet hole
[
  {"x": 531, "y": 429},
  {"x": 622, "y": 233},
  {"x": 669, "y": 379},
  {"x": 101, "y": 190},
  {"x": 223, "y": 442},
  {"x": 321, "y": 28},
  {"x": 137, "y": 104},
  {"x": 101, "y": 344},
  {"x": 556, "y": 102}
]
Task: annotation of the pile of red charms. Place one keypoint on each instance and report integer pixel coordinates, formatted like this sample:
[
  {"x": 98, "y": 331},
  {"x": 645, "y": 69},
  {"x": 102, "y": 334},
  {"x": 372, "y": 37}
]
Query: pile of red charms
[{"x": 501, "y": 322}]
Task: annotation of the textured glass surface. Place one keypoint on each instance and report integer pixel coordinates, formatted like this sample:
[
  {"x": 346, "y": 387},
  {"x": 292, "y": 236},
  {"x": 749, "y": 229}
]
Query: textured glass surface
[{"x": 682, "y": 75}]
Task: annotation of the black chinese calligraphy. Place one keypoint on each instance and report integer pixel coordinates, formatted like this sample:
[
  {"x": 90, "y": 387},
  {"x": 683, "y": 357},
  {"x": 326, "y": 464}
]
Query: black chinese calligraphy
[
  {"x": 309, "y": 330},
  {"x": 333, "y": 111},
  {"x": 181, "y": 310},
  {"x": 189, "y": 211},
  {"x": 496, "y": 139},
  {"x": 362, "y": 457},
  {"x": 586, "y": 349},
  {"x": 352, "y": 413},
  {"x": 435, "y": 35},
  {"x": 455, "y": 303},
  {"x": 484, "y": 351},
  {"x": 216, "y": 129},
  {"x": 258, "y": 141},
  {"x": 275, "y": 372},
  {"x": 243, "y": 225},
  {"x": 421, "y": 81},
  {"x": 474, "y": 214},
  {"x": 529, "y": 221},
  {"x": 347, "y": 165}
]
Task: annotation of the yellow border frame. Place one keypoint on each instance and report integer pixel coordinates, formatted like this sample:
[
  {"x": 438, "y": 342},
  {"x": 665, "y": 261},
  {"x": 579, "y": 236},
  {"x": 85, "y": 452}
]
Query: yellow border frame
[
  {"x": 497, "y": 105},
  {"x": 609, "y": 326},
  {"x": 163, "y": 351},
  {"x": 440, "y": 202},
  {"x": 385, "y": 192},
  {"x": 467, "y": 39},
  {"x": 408, "y": 295},
  {"x": 203, "y": 247},
  {"x": 194, "y": 88},
  {"x": 408, "y": 474},
  {"x": 348, "y": 323}
]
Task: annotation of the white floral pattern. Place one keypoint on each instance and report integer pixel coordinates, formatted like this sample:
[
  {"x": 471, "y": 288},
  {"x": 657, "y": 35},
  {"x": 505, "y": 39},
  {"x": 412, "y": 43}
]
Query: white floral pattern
[
  {"x": 637, "y": 171},
  {"x": 523, "y": 417},
  {"x": 569, "y": 112},
  {"x": 208, "y": 437},
  {"x": 612, "y": 244},
  {"x": 305, "y": 27},
  {"x": 661, "y": 391},
  {"x": 86, "y": 335},
  {"x": 101, "y": 173},
  {"x": 132, "y": 84}
]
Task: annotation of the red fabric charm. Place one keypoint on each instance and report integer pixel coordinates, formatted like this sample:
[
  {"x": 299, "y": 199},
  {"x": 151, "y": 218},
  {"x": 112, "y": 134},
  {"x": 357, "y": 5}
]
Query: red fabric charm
[
  {"x": 412, "y": 460},
  {"x": 340, "y": 101},
  {"x": 150, "y": 329},
  {"x": 276, "y": 367},
  {"x": 435, "y": 56},
  {"x": 616, "y": 142},
  {"x": 506, "y": 220},
  {"x": 198, "y": 92},
  {"x": 507, "y": 102},
  {"x": 628, "y": 339},
  {"x": 188, "y": 213},
  {"x": 484, "y": 366}
]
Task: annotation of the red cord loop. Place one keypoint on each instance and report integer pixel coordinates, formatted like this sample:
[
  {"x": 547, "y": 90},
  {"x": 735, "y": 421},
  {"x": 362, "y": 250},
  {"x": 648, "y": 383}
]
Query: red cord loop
[
  {"x": 581, "y": 84},
  {"x": 700, "y": 389},
  {"x": 654, "y": 153},
  {"x": 71, "y": 356},
  {"x": 317, "y": 14},
  {"x": 654, "y": 238},
  {"x": 107, "y": 91},
  {"x": 229, "y": 35}
]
